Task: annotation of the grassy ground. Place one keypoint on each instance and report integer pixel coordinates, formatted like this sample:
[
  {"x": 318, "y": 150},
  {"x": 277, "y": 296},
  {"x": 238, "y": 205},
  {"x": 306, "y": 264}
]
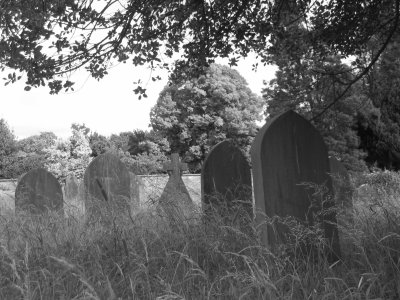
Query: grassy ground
[{"x": 144, "y": 257}]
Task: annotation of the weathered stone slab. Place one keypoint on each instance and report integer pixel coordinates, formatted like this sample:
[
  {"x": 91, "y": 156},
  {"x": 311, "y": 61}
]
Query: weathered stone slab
[
  {"x": 107, "y": 181},
  {"x": 71, "y": 189},
  {"x": 137, "y": 189},
  {"x": 286, "y": 153},
  {"x": 38, "y": 191},
  {"x": 175, "y": 202},
  {"x": 341, "y": 183},
  {"x": 226, "y": 180},
  {"x": 74, "y": 197},
  {"x": 344, "y": 202}
]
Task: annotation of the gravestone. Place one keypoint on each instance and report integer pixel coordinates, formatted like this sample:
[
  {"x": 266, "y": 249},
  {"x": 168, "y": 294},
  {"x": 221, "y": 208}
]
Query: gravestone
[
  {"x": 287, "y": 153},
  {"x": 107, "y": 184},
  {"x": 71, "y": 188},
  {"x": 344, "y": 202},
  {"x": 226, "y": 180},
  {"x": 341, "y": 183},
  {"x": 175, "y": 202},
  {"x": 74, "y": 196},
  {"x": 38, "y": 191},
  {"x": 20, "y": 177},
  {"x": 137, "y": 189}
]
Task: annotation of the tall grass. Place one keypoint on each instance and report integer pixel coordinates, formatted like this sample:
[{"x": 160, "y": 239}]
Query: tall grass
[{"x": 141, "y": 257}]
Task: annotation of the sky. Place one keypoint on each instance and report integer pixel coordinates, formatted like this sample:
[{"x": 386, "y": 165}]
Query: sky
[{"x": 107, "y": 106}]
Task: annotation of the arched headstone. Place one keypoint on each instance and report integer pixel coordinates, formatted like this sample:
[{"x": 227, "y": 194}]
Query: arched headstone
[
  {"x": 286, "y": 153},
  {"x": 38, "y": 191},
  {"x": 225, "y": 176},
  {"x": 107, "y": 181}
]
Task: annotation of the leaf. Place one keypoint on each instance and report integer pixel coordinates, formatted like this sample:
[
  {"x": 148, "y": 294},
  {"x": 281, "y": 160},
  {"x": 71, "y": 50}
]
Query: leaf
[{"x": 27, "y": 88}]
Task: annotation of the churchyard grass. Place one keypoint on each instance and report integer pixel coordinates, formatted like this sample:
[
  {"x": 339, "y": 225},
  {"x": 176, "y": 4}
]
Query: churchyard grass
[{"x": 138, "y": 257}]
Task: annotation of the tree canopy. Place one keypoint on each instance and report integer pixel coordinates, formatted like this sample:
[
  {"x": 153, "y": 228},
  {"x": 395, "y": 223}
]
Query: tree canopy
[
  {"x": 48, "y": 40},
  {"x": 197, "y": 114}
]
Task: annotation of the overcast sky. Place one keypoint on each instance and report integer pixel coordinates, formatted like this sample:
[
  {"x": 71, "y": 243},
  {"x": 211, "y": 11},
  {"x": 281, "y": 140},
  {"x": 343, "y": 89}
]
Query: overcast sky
[{"x": 106, "y": 106}]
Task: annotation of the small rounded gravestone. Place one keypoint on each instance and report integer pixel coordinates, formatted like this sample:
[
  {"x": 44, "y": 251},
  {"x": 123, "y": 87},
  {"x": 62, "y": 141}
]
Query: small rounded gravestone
[
  {"x": 38, "y": 191},
  {"x": 226, "y": 180},
  {"x": 107, "y": 180}
]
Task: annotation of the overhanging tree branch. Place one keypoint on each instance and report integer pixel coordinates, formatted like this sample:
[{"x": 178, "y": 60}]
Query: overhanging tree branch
[{"x": 370, "y": 65}]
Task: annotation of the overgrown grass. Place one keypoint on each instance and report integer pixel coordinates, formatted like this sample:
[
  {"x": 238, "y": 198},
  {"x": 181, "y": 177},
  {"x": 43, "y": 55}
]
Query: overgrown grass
[{"x": 140, "y": 257}]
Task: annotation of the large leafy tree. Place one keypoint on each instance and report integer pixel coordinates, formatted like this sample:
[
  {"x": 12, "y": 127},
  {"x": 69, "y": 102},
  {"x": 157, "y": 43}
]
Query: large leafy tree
[
  {"x": 301, "y": 85},
  {"x": 36, "y": 143},
  {"x": 98, "y": 143},
  {"x": 380, "y": 136},
  {"x": 94, "y": 34},
  {"x": 18, "y": 157},
  {"x": 71, "y": 156},
  {"x": 198, "y": 113},
  {"x": 148, "y": 151}
]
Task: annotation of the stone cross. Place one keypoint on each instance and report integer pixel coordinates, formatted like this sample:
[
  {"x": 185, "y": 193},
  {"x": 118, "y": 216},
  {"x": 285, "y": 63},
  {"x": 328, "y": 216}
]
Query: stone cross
[
  {"x": 175, "y": 167},
  {"x": 175, "y": 203}
]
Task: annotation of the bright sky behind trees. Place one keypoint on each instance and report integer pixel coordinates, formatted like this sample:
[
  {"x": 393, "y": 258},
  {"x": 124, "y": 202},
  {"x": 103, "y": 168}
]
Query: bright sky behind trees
[{"x": 106, "y": 106}]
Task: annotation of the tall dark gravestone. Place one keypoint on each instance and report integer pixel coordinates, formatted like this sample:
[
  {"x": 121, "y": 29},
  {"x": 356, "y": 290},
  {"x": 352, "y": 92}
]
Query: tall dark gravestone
[
  {"x": 287, "y": 153},
  {"x": 225, "y": 176},
  {"x": 107, "y": 180},
  {"x": 38, "y": 191}
]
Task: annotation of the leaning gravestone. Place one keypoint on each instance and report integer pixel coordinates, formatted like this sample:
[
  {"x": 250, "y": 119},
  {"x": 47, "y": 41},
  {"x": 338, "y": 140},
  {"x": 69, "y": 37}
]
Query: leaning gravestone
[
  {"x": 341, "y": 184},
  {"x": 107, "y": 184},
  {"x": 175, "y": 203},
  {"x": 287, "y": 153},
  {"x": 226, "y": 180},
  {"x": 38, "y": 191},
  {"x": 137, "y": 189}
]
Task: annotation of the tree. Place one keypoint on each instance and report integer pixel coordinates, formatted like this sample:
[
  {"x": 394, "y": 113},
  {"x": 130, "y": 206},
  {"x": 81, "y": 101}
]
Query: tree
[
  {"x": 36, "y": 143},
  {"x": 120, "y": 141},
  {"x": 18, "y": 157},
  {"x": 147, "y": 152},
  {"x": 30, "y": 153},
  {"x": 99, "y": 144},
  {"x": 70, "y": 157},
  {"x": 7, "y": 148},
  {"x": 94, "y": 34},
  {"x": 302, "y": 86},
  {"x": 196, "y": 115},
  {"x": 380, "y": 136},
  {"x": 7, "y": 139}
]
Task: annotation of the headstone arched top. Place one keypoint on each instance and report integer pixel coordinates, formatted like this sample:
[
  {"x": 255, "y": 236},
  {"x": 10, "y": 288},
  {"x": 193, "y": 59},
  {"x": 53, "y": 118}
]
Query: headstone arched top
[
  {"x": 225, "y": 176},
  {"x": 38, "y": 191},
  {"x": 107, "y": 178},
  {"x": 287, "y": 154}
]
